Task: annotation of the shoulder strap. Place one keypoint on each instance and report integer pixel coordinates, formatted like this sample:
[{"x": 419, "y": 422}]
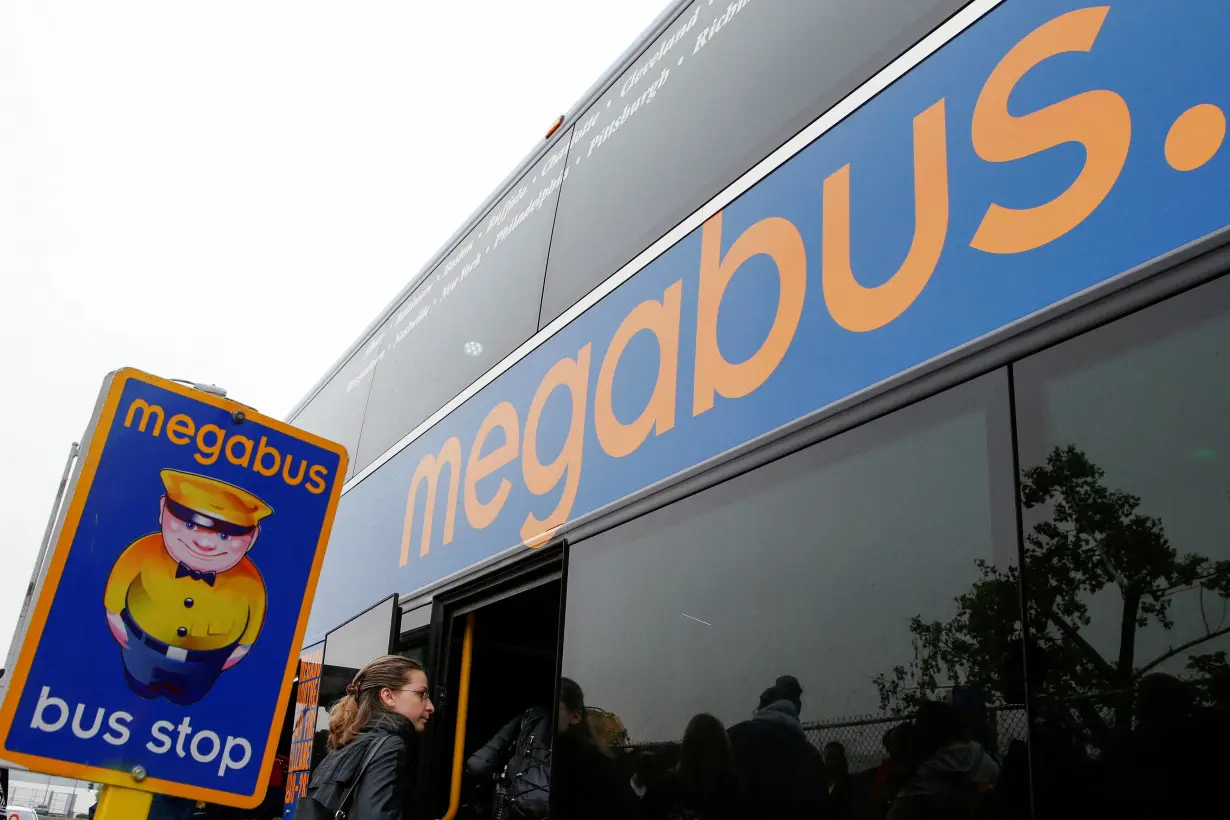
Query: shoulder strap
[
  {"x": 529, "y": 720},
  {"x": 529, "y": 723},
  {"x": 367, "y": 758}
]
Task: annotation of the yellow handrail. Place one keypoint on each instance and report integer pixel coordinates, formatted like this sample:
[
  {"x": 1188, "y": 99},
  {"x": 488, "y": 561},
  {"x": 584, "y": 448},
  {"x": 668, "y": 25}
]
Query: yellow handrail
[{"x": 463, "y": 707}]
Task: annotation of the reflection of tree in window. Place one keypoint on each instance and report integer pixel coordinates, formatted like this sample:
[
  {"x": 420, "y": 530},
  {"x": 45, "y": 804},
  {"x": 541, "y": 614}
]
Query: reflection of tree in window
[
  {"x": 1094, "y": 539},
  {"x": 1097, "y": 538},
  {"x": 1125, "y": 532}
]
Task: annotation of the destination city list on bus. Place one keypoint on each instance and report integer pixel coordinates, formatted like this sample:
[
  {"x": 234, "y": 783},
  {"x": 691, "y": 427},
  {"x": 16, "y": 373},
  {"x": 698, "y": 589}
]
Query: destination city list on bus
[
  {"x": 1028, "y": 159},
  {"x": 164, "y": 638},
  {"x": 535, "y": 197}
]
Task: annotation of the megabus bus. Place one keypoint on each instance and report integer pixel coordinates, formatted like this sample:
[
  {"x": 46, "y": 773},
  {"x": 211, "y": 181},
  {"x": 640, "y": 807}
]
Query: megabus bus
[{"x": 827, "y": 359}]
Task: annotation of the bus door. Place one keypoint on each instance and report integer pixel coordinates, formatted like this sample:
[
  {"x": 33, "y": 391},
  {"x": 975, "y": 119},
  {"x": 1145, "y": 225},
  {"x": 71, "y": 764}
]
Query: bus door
[{"x": 496, "y": 651}]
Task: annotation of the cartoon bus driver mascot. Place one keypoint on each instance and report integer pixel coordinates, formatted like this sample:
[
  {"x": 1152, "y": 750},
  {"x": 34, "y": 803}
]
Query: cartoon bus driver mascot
[{"x": 186, "y": 603}]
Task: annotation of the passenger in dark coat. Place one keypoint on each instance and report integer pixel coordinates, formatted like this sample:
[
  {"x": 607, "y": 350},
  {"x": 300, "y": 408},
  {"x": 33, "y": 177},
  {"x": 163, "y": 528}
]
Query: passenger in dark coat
[
  {"x": 585, "y": 782},
  {"x": 783, "y": 771},
  {"x": 519, "y": 755},
  {"x": 950, "y": 775},
  {"x": 384, "y": 791},
  {"x": 491, "y": 759},
  {"x": 387, "y": 701},
  {"x": 705, "y": 785}
]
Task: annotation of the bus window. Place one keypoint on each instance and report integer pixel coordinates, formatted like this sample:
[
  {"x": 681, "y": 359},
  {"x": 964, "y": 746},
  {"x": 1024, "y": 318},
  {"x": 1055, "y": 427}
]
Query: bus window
[
  {"x": 414, "y": 634},
  {"x": 348, "y": 649},
  {"x": 1125, "y": 456},
  {"x": 828, "y": 593}
]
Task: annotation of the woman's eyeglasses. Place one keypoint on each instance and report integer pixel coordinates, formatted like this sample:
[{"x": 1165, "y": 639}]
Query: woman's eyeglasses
[{"x": 422, "y": 693}]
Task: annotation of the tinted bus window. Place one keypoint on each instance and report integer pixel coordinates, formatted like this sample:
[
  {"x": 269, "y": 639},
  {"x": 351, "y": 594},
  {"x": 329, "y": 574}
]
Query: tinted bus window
[
  {"x": 1125, "y": 450},
  {"x": 723, "y": 86},
  {"x": 336, "y": 412},
  {"x": 414, "y": 638},
  {"x": 348, "y": 649},
  {"x": 475, "y": 309},
  {"x": 874, "y": 569}
]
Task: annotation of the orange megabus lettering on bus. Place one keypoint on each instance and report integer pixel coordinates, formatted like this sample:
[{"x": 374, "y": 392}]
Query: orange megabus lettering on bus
[
  {"x": 955, "y": 201},
  {"x": 1101, "y": 115},
  {"x": 1098, "y": 120}
]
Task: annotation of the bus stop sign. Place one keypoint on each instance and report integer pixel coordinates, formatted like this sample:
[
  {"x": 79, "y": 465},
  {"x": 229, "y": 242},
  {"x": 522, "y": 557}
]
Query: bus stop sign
[{"x": 161, "y": 647}]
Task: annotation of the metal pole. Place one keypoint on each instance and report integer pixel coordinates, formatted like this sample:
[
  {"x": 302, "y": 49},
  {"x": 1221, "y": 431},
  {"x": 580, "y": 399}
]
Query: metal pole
[
  {"x": 116, "y": 803},
  {"x": 19, "y": 634},
  {"x": 59, "y": 500}
]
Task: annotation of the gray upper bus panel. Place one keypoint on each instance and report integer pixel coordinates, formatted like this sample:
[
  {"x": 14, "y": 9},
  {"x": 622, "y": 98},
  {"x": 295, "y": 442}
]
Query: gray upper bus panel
[
  {"x": 475, "y": 308},
  {"x": 514, "y": 178},
  {"x": 713, "y": 88},
  {"x": 719, "y": 90}
]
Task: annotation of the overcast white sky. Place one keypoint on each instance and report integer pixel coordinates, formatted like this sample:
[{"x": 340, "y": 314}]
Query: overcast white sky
[{"x": 230, "y": 191}]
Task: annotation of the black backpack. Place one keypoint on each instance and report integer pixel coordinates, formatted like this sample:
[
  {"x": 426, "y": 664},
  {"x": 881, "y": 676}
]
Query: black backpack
[{"x": 524, "y": 787}]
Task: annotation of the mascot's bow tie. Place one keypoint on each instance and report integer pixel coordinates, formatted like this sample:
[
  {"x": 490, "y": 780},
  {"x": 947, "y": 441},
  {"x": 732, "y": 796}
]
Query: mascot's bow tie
[{"x": 184, "y": 571}]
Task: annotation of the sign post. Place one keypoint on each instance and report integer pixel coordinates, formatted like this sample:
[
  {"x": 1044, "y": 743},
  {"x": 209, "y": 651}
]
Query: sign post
[
  {"x": 41, "y": 560},
  {"x": 117, "y": 803},
  {"x": 161, "y": 647}
]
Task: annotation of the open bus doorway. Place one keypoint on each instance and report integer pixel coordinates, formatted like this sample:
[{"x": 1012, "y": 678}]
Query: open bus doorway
[{"x": 509, "y": 667}]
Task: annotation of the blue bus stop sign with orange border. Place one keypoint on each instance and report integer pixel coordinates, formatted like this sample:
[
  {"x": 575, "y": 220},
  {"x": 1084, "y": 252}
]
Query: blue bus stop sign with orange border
[{"x": 160, "y": 651}]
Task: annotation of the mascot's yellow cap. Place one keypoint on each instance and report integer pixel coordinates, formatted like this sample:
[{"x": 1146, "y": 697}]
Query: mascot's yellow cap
[{"x": 214, "y": 500}]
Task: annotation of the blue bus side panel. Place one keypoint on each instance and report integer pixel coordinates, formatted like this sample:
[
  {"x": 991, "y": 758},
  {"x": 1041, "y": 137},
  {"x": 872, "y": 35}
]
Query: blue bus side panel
[{"x": 1161, "y": 59}]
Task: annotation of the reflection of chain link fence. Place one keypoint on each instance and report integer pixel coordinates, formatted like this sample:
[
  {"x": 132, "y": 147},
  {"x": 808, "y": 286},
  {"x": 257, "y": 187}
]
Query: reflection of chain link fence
[
  {"x": 1090, "y": 722},
  {"x": 863, "y": 738},
  {"x": 1087, "y": 723},
  {"x": 53, "y": 802}
]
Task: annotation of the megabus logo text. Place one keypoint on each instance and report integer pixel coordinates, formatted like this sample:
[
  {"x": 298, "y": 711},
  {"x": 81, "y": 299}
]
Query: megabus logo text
[
  {"x": 212, "y": 443},
  {"x": 1086, "y": 143}
]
